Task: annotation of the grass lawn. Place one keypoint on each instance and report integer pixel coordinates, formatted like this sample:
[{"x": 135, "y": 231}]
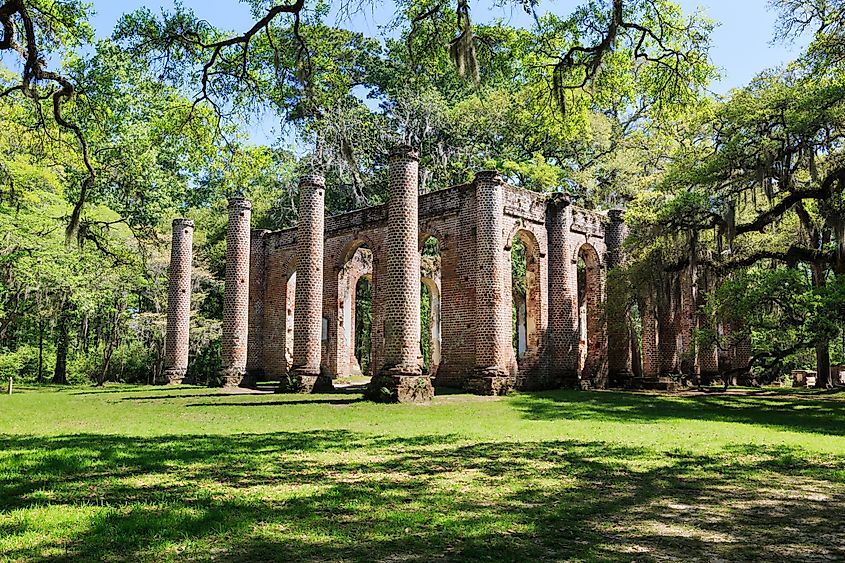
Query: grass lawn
[{"x": 141, "y": 473}]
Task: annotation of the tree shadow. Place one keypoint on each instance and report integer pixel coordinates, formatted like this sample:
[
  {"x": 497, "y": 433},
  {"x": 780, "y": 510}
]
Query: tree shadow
[
  {"x": 337, "y": 495},
  {"x": 340, "y": 401},
  {"x": 134, "y": 389},
  {"x": 797, "y": 414}
]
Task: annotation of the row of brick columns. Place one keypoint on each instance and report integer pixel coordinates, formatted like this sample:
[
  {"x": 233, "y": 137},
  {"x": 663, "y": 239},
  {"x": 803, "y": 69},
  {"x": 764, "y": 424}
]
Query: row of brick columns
[
  {"x": 400, "y": 377},
  {"x": 668, "y": 330}
]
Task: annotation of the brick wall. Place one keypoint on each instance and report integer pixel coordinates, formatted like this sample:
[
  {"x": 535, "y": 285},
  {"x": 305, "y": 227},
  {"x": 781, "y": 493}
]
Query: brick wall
[{"x": 257, "y": 300}]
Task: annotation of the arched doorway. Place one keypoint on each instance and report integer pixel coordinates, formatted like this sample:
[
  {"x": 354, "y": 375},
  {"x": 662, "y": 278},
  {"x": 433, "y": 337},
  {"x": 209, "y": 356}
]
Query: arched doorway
[
  {"x": 290, "y": 309},
  {"x": 430, "y": 304},
  {"x": 526, "y": 299},
  {"x": 355, "y": 305},
  {"x": 363, "y": 320},
  {"x": 590, "y": 332}
]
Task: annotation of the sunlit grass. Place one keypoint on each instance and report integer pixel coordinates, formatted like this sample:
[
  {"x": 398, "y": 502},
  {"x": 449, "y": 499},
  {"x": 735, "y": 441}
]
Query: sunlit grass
[{"x": 139, "y": 473}]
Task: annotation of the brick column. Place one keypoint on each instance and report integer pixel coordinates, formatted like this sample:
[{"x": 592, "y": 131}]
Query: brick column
[
  {"x": 688, "y": 323},
  {"x": 619, "y": 354},
  {"x": 493, "y": 348},
  {"x": 708, "y": 358},
  {"x": 400, "y": 378},
  {"x": 742, "y": 355},
  {"x": 651, "y": 348},
  {"x": 236, "y": 293},
  {"x": 667, "y": 311},
  {"x": 563, "y": 294},
  {"x": 304, "y": 375},
  {"x": 178, "y": 303}
]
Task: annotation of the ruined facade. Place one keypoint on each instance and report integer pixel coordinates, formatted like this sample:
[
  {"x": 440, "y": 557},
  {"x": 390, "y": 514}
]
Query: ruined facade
[{"x": 290, "y": 311}]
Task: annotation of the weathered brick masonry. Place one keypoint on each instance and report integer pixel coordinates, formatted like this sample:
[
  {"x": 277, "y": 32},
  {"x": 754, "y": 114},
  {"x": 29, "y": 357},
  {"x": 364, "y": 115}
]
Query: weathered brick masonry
[
  {"x": 475, "y": 225},
  {"x": 236, "y": 293},
  {"x": 178, "y": 302},
  {"x": 289, "y": 307},
  {"x": 304, "y": 374}
]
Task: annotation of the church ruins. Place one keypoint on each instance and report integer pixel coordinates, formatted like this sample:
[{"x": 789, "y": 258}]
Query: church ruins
[{"x": 289, "y": 299}]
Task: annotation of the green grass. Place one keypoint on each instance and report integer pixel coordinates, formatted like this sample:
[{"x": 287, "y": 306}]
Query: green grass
[{"x": 140, "y": 473}]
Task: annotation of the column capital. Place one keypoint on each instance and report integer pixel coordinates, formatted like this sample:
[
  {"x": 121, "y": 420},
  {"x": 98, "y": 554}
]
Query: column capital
[
  {"x": 239, "y": 202},
  {"x": 183, "y": 223},
  {"x": 313, "y": 180},
  {"x": 616, "y": 215},
  {"x": 560, "y": 199},
  {"x": 489, "y": 177},
  {"x": 404, "y": 151}
]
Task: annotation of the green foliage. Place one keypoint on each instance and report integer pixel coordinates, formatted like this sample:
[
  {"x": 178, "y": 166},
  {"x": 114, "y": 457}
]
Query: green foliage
[{"x": 363, "y": 324}]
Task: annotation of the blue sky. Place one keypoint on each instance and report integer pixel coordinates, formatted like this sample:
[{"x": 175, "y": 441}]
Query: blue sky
[{"x": 742, "y": 44}]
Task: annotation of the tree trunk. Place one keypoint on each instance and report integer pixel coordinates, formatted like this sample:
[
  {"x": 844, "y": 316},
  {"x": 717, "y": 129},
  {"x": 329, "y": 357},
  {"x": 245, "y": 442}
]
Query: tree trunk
[
  {"x": 40, "y": 350},
  {"x": 62, "y": 337},
  {"x": 112, "y": 344},
  {"x": 822, "y": 348},
  {"x": 823, "y": 379}
]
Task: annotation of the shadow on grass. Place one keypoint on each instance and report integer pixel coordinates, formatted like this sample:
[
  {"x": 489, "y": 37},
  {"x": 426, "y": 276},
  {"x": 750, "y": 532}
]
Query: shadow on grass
[
  {"x": 800, "y": 414},
  {"x": 336, "y": 495},
  {"x": 339, "y": 401}
]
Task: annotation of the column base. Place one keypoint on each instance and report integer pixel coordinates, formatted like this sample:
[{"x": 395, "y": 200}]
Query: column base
[
  {"x": 302, "y": 381},
  {"x": 398, "y": 385},
  {"x": 229, "y": 378},
  {"x": 621, "y": 378},
  {"x": 489, "y": 381},
  {"x": 172, "y": 376}
]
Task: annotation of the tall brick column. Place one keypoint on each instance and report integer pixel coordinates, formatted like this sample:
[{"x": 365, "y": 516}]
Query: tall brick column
[
  {"x": 563, "y": 294},
  {"x": 400, "y": 378},
  {"x": 688, "y": 323},
  {"x": 236, "y": 293},
  {"x": 493, "y": 347},
  {"x": 178, "y": 303},
  {"x": 304, "y": 375},
  {"x": 619, "y": 354},
  {"x": 651, "y": 347}
]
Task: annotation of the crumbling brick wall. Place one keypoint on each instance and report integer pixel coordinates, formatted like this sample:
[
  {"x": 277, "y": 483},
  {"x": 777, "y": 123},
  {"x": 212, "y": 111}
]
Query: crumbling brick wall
[
  {"x": 553, "y": 235},
  {"x": 475, "y": 226}
]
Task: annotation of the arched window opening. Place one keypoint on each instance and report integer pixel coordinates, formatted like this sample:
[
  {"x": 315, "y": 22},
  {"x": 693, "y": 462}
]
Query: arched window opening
[
  {"x": 519, "y": 332},
  {"x": 361, "y": 343},
  {"x": 355, "y": 311},
  {"x": 589, "y": 314},
  {"x": 430, "y": 305},
  {"x": 290, "y": 308},
  {"x": 582, "y": 313},
  {"x": 525, "y": 296}
]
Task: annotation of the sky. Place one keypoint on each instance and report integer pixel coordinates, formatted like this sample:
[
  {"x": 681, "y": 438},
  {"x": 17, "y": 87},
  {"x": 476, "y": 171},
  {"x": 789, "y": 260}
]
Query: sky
[{"x": 741, "y": 44}]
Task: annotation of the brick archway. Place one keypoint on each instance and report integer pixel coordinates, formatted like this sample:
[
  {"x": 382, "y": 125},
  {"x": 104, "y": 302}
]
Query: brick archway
[
  {"x": 430, "y": 288},
  {"x": 592, "y": 345},
  {"x": 527, "y": 300},
  {"x": 357, "y": 264}
]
